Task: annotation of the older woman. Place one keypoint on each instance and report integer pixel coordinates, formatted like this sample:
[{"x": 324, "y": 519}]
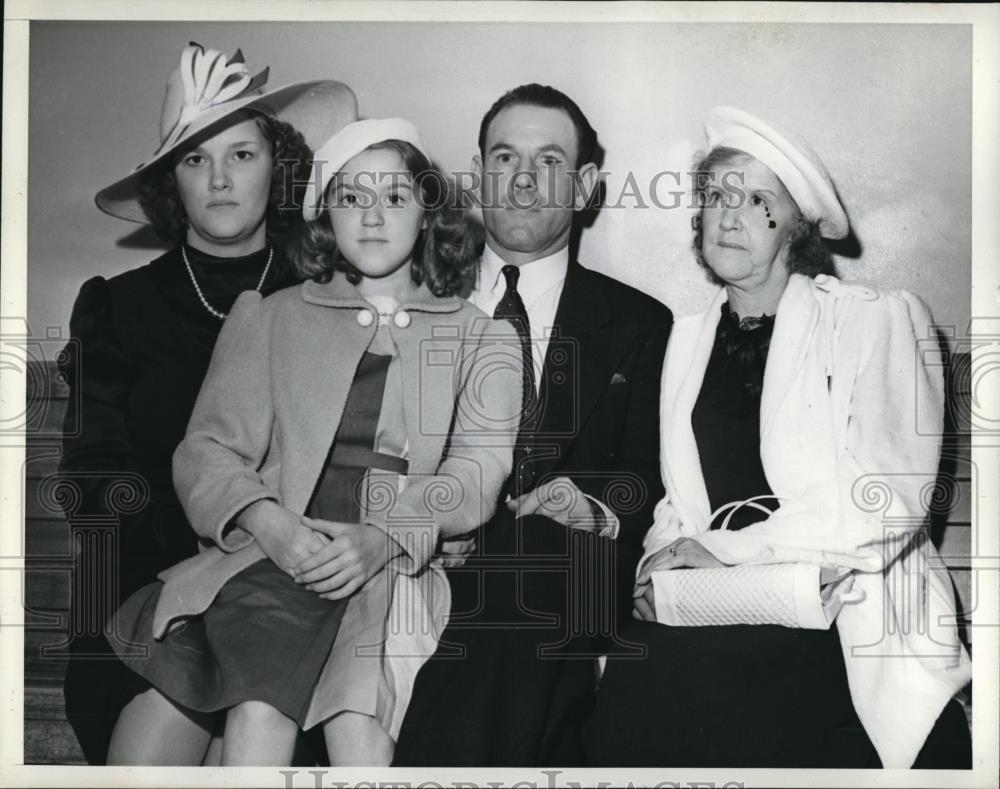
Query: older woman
[
  {"x": 785, "y": 620},
  {"x": 219, "y": 188}
]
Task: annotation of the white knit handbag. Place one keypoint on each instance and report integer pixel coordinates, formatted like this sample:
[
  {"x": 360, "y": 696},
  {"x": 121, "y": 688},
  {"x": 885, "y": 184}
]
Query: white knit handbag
[{"x": 791, "y": 594}]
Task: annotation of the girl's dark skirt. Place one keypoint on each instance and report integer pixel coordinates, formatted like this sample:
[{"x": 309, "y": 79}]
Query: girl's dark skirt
[
  {"x": 202, "y": 663},
  {"x": 264, "y": 637}
]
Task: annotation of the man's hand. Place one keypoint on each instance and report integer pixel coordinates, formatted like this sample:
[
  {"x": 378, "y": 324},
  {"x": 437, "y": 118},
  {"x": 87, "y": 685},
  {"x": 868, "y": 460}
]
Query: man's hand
[
  {"x": 355, "y": 553},
  {"x": 683, "y": 552},
  {"x": 562, "y": 501},
  {"x": 282, "y": 536},
  {"x": 453, "y": 552}
]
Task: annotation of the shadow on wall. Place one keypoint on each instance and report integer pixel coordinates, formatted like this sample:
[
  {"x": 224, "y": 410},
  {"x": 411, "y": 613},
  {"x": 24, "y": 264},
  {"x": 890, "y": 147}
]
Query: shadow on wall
[
  {"x": 586, "y": 218},
  {"x": 850, "y": 246},
  {"x": 143, "y": 237}
]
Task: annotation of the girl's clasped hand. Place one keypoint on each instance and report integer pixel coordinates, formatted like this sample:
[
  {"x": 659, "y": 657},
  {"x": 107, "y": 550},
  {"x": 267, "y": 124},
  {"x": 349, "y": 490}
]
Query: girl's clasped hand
[
  {"x": 352, "y": 553},
  {"x": 331, "y": 558}
]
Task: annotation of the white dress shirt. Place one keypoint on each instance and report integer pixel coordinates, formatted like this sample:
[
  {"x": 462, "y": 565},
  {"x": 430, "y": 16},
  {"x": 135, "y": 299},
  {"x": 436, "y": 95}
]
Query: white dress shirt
[{"x": 540, "y": 285}]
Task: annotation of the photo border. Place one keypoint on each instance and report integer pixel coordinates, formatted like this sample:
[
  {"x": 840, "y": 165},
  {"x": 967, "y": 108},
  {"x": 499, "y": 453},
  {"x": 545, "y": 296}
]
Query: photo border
[{"x": 985, "y": 311}]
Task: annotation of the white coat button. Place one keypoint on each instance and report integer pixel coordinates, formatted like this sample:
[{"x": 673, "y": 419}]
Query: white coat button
[
  {"x": 365, "y": 318},
  {"x": 401, "y": 319}
]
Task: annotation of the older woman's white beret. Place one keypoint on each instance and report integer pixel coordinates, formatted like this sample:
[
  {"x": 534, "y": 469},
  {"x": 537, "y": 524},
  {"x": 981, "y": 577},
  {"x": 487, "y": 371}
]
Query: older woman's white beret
[{"x": 790, "y": 158}]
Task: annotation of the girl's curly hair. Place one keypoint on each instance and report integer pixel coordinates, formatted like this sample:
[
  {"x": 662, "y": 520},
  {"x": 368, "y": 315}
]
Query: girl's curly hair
[
  {"x": 807, "y": 252},
  {"x": 291, "y": 166},
  {"x": 444, "y": 254}
]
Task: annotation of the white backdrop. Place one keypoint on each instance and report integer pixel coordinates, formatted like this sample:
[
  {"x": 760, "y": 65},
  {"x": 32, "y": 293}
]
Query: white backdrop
[{"x": 888, "y": 107}]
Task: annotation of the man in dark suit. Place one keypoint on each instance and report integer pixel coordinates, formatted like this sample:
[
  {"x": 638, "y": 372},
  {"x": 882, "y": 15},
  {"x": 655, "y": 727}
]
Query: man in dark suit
[{"x": 512, "y": 680}]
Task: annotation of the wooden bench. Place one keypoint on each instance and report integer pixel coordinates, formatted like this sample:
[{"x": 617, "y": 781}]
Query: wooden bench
[{"x": 48, "y": 738}]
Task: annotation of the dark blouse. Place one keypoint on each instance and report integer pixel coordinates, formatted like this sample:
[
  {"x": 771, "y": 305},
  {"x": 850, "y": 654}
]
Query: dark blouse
[
  {"x": 142, "y": 344},
  {"x": 726, "y": 417}
]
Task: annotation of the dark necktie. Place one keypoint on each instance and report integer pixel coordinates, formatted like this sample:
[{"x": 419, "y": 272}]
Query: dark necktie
[{"x": 511, "y": 308}]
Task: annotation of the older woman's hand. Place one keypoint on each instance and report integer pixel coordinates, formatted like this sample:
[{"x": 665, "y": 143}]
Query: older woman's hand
[
  {"x": 643, "y": 603},
  {"x": 683, "y": 552}
]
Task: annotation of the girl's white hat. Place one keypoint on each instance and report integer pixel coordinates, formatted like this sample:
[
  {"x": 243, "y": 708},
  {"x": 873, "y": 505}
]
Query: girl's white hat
[
  {"x": 344, "y": 146},
  {"x": 790, "y": 158},
  {"x": 205, "y": 90}
]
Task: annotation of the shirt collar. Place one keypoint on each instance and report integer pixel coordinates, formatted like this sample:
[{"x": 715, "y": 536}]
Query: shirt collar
[{"x": 534, "y": 279}]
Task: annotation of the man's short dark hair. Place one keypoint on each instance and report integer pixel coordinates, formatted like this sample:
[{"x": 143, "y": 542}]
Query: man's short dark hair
[{"x": 535, "y": 95}]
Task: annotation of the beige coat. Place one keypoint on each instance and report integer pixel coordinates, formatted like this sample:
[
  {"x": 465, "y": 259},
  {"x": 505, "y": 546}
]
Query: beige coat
[
  {"x": 851, "y": 421},
  {"x": 271, "y": 404}
]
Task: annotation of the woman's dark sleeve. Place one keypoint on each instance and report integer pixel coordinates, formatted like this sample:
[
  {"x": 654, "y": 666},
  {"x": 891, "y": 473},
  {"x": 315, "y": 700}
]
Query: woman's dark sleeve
[
  {"x": 123, "y": 532},
  {"x": 96, "y": 489},
  {"x": 96, "y": 442}
]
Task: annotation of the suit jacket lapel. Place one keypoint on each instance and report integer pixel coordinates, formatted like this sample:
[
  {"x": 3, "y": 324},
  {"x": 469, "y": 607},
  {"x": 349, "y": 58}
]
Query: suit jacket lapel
[
  {"x": 326, "y": 356},
  {"x": 428, "y": 390},
  {"x": 687, "y": 360},
  {"x": 796, "y": 323},
  {"x": 688, "y": 352},
  {"x": 579, "y": 362}
]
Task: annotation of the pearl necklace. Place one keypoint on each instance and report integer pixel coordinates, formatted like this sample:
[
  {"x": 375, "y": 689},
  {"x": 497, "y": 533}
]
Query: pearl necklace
[{"x": 204, "y": 302}]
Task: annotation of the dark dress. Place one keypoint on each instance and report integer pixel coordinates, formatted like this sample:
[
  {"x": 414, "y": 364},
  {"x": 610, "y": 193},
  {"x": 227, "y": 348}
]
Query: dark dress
[
  {"x": 732, "y": 696},
  {"x": 143, "y": 343},
  {"x": 265, "y": 637}
]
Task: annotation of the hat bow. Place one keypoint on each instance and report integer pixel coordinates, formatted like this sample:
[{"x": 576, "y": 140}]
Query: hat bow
[{"x": 208, "y": 79}]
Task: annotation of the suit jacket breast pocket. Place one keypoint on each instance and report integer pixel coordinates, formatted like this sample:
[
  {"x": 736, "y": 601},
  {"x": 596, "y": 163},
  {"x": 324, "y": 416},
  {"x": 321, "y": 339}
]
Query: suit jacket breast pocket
[{"x": 614, "y": 403}]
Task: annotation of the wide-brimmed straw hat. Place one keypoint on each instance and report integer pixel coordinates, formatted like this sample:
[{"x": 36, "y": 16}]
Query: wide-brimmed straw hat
[
  {"x": 344, "y": 146},
  {"x": 205, "y": 90},
  {"x": 789, "y": 157}
]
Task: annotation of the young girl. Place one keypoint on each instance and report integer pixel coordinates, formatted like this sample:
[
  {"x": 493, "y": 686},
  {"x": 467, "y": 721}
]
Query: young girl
[{"x": 345, "y": 427}]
